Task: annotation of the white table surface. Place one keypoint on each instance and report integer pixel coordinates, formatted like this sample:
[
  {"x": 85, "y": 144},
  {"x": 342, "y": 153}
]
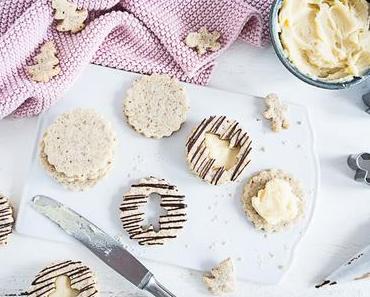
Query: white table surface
[{"x": 340, "y": 226}]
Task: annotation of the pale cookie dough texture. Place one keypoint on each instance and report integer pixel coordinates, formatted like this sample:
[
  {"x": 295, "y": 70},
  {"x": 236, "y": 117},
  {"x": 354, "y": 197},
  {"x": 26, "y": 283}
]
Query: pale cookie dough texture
[
  {"x": 156, "y": 105},
  {"x": 218, "y": 150},
  {"x": 46, "y": 64},
  {"x": 256, "y": 184},
  {"x": 6, "y": 219},
  {"x": 221, "y": 279},
  {"x": 67, "y": 278},
  {"x": 132, "y": 214},
  {"x": 203, "y": 41},
  {"x": 77, "y": 150},
  {"x": 326, "y": 40},
  {"x": 68, "y": 17},
  {"x": 276, "y": 112}
]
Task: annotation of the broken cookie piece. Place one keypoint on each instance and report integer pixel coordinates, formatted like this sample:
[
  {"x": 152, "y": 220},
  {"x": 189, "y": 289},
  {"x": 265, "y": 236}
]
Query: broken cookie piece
[
  {"x": 203, "y": 40},
  {"x": 273, "y": 200},
  {"x": 6, "y": 219},
  {"x": 221, "y": 280},
  {"x": 67, "y": 278},
  {"x": 47, "y": 64},
  {"x": 68, "y": 17},
  {"x": 133, "y": 214},
  {"x": 218, "y": 150},
  {"x": 276, "y": 112}
]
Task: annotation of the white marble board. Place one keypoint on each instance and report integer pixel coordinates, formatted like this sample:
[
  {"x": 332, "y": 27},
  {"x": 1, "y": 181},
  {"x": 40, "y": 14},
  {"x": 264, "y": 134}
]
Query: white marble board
[{"x": 217, "y": 227}]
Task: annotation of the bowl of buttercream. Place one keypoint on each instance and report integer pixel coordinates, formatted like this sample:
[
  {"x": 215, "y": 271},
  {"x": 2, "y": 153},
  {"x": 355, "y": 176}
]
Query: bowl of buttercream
[{"x": 325, "y": 43}]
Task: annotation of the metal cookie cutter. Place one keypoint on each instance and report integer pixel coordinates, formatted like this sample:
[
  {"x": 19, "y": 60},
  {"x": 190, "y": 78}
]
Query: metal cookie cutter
[
  {"x": 366, "y": 99},
  {"x": 361, "y": 164}
]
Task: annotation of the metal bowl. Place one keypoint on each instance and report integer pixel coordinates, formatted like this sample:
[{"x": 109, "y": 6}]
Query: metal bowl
[{"x": 275, "y": 38}]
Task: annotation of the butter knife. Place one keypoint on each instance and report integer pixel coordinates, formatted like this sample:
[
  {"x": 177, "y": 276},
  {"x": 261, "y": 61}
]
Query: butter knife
[{"x": 101, "y": 244}]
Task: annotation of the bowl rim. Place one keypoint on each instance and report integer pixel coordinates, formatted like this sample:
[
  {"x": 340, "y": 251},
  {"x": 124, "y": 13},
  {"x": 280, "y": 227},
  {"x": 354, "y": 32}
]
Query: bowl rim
[{"x": 279, "y": 51}]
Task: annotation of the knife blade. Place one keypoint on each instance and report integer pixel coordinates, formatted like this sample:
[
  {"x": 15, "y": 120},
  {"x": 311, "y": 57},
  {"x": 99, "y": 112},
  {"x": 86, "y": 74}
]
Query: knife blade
[
  {"x": 109, "y": 250},
  {"x": 356, "y": 268}
]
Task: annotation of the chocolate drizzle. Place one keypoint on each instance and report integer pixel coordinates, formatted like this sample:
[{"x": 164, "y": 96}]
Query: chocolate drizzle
[
  {"x": 198, "y": 153},
  {"x": 6, "y": 219},
  {"x": 81, "y": 277},
  {"x": 132, "y": 215}
]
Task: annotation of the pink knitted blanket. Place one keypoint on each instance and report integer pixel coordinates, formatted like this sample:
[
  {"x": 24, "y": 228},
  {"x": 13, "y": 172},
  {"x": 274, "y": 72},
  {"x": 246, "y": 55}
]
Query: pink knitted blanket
[{"x": 145, "y": 36}]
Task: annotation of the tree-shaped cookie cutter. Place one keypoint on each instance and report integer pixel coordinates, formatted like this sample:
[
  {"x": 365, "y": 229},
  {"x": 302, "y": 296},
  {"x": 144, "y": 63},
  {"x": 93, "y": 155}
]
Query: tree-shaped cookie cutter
[
  {"x": 366, "y": 99},
  {"x": 361, "y": 164}
]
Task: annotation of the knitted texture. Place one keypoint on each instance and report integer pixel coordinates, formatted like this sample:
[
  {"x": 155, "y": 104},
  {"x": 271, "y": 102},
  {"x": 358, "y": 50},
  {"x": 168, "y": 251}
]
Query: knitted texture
[{"x": 135, "y": 35}]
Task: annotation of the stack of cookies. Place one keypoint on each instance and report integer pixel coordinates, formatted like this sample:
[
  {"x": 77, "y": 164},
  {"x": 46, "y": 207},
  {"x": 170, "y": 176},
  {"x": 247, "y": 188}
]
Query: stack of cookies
[{"x": 77, "y": 149}]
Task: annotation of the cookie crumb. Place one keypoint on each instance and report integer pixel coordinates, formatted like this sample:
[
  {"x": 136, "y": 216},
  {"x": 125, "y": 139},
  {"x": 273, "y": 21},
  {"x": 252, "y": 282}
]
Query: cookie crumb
[
  {"x": 221, "y": 279},
  {"x": 276, "y": 112},
  {"x": 203, "y": 40}
]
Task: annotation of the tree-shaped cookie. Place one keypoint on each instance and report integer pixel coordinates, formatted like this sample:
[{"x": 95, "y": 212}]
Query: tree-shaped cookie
[
  {"x": 276, "y": 112},
  {"x": 221, "y": 280},
  {"x": 47, "y": 64},
  {"x": 203, "y": 40},
  {"x": 68, "y": 17}
]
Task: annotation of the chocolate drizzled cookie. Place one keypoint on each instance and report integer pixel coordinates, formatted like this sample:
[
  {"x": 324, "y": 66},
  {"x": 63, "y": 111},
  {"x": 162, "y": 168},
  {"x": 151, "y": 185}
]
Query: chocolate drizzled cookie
[
  {"x": 6, "y": 219},
  {"x": 233, "y": 138},
  {"x": 132, "y": 214},
  {"x": 80, "y": 276}
]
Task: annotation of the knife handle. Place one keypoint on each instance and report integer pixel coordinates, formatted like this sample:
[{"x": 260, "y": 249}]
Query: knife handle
[{"x": 156, "y": 289}]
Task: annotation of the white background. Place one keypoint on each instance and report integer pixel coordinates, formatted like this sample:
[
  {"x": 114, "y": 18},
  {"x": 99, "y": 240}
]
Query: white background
[{"x": 340, "y": 226}]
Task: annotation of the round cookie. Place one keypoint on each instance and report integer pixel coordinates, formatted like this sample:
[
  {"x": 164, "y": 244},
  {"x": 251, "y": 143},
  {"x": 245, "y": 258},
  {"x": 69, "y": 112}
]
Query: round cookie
[
  {"x": 132, "y": 215},
  {"x": 79, "y": 143},
  {"x": 80, "y": 280},
  {"x": 77, "y": 149},
  {"x": 6, "y": 219},
  {"x": 227, "y": 133},
  {"x": 156, "y": 105},
  {"x": 72, "y": 183},
  {"x": 258, "y": 182}
]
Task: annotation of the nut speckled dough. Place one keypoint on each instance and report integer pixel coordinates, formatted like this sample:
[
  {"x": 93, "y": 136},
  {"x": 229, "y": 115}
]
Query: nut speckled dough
[
  {"x": 221, "y": 279},
  {"x": 46, "y": 64},
  {"x": 276, "y": 112},
  {"x": 218, "y": 150},
  {"x": 257, "y": 183},
  {"x": 62, "y": 278},
  {"x": 203, "y": 41},
  {"x": 78, "y": 148},
  {"x": 328, "y": 40},
  {"x": 6, "y": 219},
  {"x": 156, "y": 105},
  {"x": 132, "y": 214}
]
